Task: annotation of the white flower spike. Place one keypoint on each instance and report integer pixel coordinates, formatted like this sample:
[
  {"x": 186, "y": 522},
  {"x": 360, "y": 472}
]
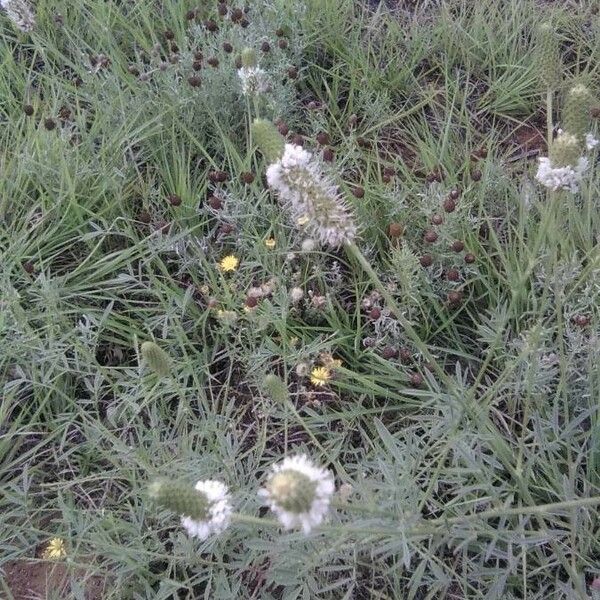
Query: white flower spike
[
  {"x": 312, "y": 199},
  {"x": 299, "y": 493}
]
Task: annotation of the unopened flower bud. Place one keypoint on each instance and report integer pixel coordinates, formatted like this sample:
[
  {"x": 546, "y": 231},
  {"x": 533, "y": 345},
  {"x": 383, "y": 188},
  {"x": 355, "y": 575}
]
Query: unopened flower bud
[{"x": 156, "y": 358}]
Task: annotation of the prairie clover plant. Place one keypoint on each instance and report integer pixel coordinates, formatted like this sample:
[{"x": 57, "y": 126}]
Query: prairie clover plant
[{"x": 567, "y": 164}]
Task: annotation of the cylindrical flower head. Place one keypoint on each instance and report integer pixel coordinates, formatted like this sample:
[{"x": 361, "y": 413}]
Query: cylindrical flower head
[
  {"x": 577, "y": 110},
  {"x": 299, "y": 493},
  {"x": 548, "y": 56},
  {"x": 180, "y": 498},
  {"x": 269, "y": 141},
  {"x": 565, "y": 150},
  {"x": 311, "y": 198},
  {"x": 205, "y": 510},
  {"x": 249, "y": 58},
  {"x": 156, "y": 358}
]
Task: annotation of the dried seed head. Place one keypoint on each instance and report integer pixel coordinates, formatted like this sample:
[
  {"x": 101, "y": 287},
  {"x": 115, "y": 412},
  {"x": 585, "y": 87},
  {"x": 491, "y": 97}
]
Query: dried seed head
[
  {"x": 265, "y": 47},
  {"x": 227, "y": 47},
  {"x": 389, "y": 352},
  {"x": 194, "y": 81},
  {"x": 282, "y": 43},
  {"x": 49, "y": 124},
  {"x": 449, "y": 205},
  {"x": 292, "y": 72},
  {"x": 328, "y": 155},
  {"x": 430, "y": 236},
  {"x": 426, "y": 260},
  {"x": 458, "y": 246},
  {"x": 323, "y": 138},
  {"x": 395, "y": 230},
  {"x": 174, "y": 200},
  {"x": 453, "y": 275},
  {"x": 358, "y": 191},
  {"x": 470, "y": 258},
  {"x": 437, "y": 219},
  {"x": 28, "y": 110},
  {"x": 416, "y": 379}
]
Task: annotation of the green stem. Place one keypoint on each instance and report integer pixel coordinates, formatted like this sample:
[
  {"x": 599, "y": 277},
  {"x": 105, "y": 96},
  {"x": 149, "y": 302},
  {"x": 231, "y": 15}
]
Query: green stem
[{"x": 549, "y": 121}]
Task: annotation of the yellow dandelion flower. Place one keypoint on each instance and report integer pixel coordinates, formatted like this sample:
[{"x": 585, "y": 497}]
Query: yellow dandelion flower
[
  {"x": 229, "y": 263},
  {"x": 319, "y": 376},
  {"x": 270, "y": 243},
  {"x": 55, "y": 549}
]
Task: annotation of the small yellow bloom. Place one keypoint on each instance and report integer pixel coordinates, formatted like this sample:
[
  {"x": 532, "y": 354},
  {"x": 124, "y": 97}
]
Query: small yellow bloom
[
  {"x": 229, "y": 263},
  {"x": 319, "y": 376},
  {"x": 270, "y": 243},
  {"x": 303, "y": 220},
  {"x": 55, "y": 549}
]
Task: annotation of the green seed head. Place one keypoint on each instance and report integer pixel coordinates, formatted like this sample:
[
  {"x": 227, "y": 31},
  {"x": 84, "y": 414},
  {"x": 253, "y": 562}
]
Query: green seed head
[
  {"x": 181, "y": 498},
  {"x": 156, "y": 358},
  {"x": 578, "y": 104},
  {"x": 275, "y": 388},
  {"x": 292, "y": 491},
  {"x": 565, "y": 150},
  {"x": 269, "y": 141},
  {"x": 249, "y": 58},
  {"x": 548, "y": 57}
]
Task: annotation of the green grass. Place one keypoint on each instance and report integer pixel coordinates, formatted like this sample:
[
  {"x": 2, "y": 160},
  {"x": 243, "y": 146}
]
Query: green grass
[{"x": 482, "y": 482}]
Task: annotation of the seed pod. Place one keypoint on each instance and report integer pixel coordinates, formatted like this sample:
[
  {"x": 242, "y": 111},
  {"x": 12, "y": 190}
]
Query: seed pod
[
  {"x": 458, "y": 246},
  {"x": 430, "y": 236},
  {"x": 395, "y": 230},
  {"x": 426, "y": 260}
]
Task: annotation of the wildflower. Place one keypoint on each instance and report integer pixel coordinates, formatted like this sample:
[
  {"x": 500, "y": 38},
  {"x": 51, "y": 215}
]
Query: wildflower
[
  {"x": 309, "y": 195},
  {"x": 565, "y": 178},
  {"x": 590, "y": 141},
  {"x": 565, "y": 167},
  {"x": 254, "y": 81},
  {"x": 20, "y": 13},
  {"x": 319, "y": 376},
  {"x": 308, "y": 245},
  {"x": 299, "y": 493},
  {"x": 205, "y": 509},
  {"x": 270, "y": 243},
  {"x": 296, "y": 294},
  {"x": 229, "y": 263},
  {"x": 55, "y": 549},
  {"x": 311, "y": 198},
  {"x": 156, "y": 358}
]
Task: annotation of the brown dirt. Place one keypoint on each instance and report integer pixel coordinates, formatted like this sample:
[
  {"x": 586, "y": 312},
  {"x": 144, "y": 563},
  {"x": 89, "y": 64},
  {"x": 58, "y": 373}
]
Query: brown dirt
[{"x": 35, "y": 580}]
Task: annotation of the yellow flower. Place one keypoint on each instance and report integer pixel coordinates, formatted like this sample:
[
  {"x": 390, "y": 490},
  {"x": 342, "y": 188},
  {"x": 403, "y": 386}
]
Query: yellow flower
[
  {"x": 303, "y": 220},
  {"x": 270, "y": 243},
  {"x": 55, "y": 549},
  {"x": 319, "y": 376},
  {"x": 229, "y": 263}
]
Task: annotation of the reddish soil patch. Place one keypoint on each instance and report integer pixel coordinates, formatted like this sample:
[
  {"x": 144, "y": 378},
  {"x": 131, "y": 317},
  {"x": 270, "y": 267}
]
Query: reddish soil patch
[
  {"x": 31, "y": 581},
  {"x": 529, "y": 139}
]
